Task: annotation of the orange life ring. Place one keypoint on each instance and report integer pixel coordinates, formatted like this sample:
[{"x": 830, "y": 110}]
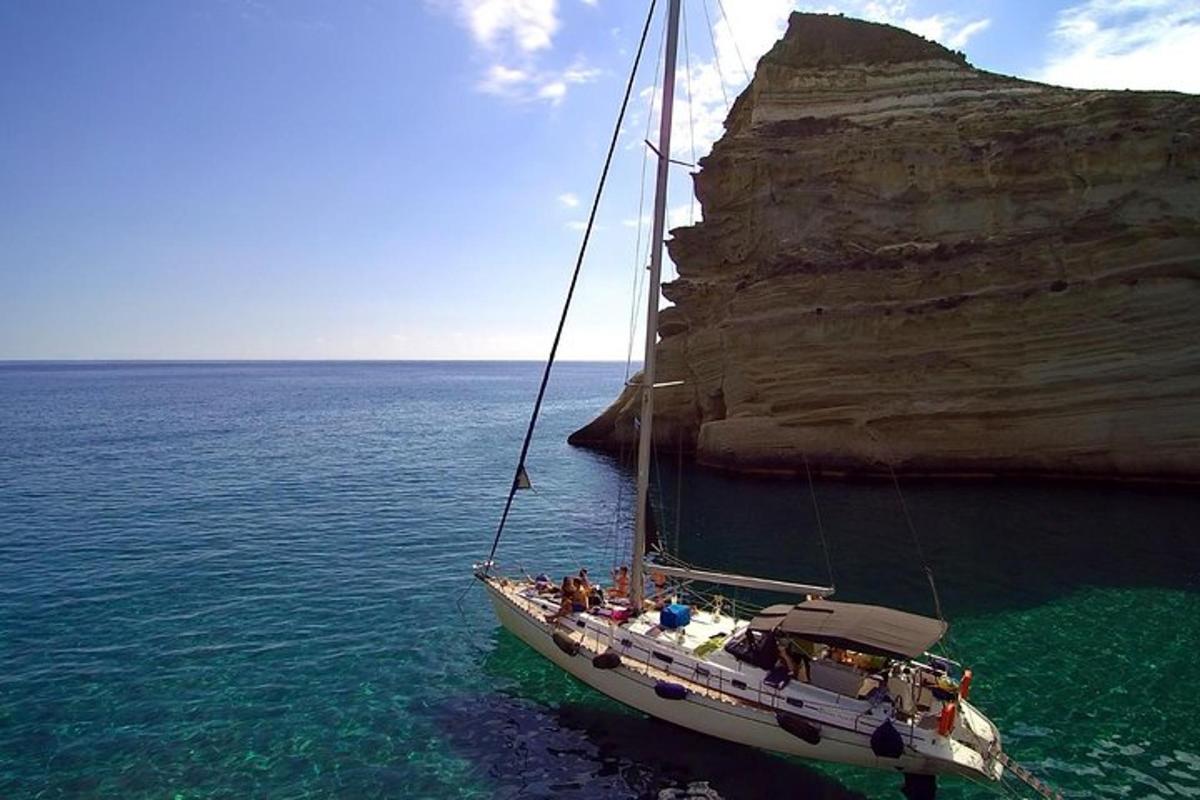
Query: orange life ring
[
  {"x": 964, "y": 686},
  {"x": 946, "y": 720}
]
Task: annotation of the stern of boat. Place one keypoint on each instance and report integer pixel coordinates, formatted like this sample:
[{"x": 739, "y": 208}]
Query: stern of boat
[{"x": 977, "y": 744}]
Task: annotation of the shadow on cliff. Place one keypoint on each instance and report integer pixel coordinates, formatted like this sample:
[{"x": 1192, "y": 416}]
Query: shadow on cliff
[
  {"x": 991, "y": 546},
  {"x": 530, "y": 743}
]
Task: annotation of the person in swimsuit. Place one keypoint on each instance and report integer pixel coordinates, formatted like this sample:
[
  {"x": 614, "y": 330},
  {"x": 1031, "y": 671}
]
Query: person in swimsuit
[
  {"x": 581, "y": 597},
  {"x": 567, "y": 602},
  {"x": 660, "y": 588},
  {"x": 621, "y": 582}
]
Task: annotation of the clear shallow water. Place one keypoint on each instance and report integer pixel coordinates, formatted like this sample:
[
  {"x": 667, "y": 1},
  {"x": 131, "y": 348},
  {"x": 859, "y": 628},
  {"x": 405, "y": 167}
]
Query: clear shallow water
[{"x": 240, "y": 580}]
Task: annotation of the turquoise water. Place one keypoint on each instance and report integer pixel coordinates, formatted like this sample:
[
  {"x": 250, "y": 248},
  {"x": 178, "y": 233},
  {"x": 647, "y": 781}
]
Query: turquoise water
[{"x": 251, "y": 580}]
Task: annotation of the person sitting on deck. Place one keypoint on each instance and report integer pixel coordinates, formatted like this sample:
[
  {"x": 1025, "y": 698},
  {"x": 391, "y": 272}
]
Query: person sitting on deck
[
  {"x": 620, "y": 582},
  {"x": 660, "y": 588},
  {"x": 795, "y": 655},
  {"x": 580, "y": 598},
  {"x": 785, "y": 657},
  {"x": 567, "y": 603},
  {"x": 594, "y": 593}
]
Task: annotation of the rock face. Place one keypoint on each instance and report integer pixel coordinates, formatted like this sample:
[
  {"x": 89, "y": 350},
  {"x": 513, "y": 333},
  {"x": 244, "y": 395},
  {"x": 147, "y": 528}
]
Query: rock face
[{"x": 905, "y": 260}]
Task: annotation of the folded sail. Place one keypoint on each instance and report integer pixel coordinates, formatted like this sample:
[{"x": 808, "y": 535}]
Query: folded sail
[{"x": 745, "y": 581}]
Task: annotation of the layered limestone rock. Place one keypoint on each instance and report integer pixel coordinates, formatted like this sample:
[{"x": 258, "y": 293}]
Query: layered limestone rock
[{"x": 905, "y": 260}]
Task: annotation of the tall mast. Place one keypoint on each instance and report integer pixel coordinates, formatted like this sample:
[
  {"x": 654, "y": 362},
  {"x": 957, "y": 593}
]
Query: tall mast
[{"x": 637, "y": 590}]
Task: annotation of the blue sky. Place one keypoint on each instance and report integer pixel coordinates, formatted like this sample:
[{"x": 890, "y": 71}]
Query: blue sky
[{"x": 270, "y": 179}]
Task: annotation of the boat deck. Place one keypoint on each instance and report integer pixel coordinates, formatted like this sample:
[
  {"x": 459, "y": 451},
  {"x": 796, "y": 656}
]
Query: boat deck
[{"x": 705, "y": 628}]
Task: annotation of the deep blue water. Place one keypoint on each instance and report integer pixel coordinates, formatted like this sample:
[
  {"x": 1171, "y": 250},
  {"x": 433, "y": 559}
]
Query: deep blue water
[{"x": 252, "y": 580}]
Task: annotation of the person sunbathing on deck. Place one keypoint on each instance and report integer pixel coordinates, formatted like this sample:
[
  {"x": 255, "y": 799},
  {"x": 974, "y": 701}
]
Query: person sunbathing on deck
[{"x": 567, "y": 603}]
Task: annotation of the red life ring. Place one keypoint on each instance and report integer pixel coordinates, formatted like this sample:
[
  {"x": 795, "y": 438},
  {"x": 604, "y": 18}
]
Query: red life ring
[
  {"x": 946, "y": 720},
  {"x": 964, "y": 686}
]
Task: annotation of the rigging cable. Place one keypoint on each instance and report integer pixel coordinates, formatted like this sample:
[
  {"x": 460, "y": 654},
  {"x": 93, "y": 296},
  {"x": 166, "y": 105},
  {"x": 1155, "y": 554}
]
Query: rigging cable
[
  {"x": 639, "y": 263},
  {"x": 687, "y": 56},
  {"x": 737, "y": 50},
  {"x": 587, "y": 233},
  {"x": 612, "y": 543},
  {"x": 812, "y": 490},
  {"x": 912, "y": 529},
  {"x": 716, "y": 56},
  {"x": 679, "y": 491}
]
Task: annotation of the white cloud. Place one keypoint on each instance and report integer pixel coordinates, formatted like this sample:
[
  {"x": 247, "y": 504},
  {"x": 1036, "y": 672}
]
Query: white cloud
[
  {"x": 577, "y": 225},
  {"x": 500, "y": 79},
  {"x": 579, "y": 72},
  {"x": 950, "y": 31},
  {"x": 965, "y": 33},
  {"x": 1127, "y": 44},
  {"x": 554, "y": 91},
  {"x": 528, "y": 24},
  {"x": 530, "y": 84},
  {"x": 569, "y": 199},
  {"x": 683, "y": 214},
  {"x": 515, "y": 36}
]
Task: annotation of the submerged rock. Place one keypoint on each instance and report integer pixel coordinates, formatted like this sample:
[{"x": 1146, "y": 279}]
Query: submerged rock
[{"x": 906, "y": 260}]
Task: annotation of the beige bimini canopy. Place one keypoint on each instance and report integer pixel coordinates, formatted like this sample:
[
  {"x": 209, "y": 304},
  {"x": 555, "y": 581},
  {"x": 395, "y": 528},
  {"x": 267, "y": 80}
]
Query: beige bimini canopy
[{"x": 865, "y": 629}]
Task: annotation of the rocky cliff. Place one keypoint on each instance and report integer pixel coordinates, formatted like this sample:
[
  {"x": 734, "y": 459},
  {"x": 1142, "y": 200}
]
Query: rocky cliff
[{"x": 907, "y": 260}]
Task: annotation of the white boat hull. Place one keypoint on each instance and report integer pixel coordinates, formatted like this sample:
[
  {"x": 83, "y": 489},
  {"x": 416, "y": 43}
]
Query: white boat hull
[{"x": 756, "y": 728}]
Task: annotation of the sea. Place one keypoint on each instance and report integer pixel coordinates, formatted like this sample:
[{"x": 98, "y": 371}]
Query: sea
[{"x": 253, "y": 580}]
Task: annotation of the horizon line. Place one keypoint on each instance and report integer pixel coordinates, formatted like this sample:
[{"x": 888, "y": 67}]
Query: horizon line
[{"x": 311, "y": 361}]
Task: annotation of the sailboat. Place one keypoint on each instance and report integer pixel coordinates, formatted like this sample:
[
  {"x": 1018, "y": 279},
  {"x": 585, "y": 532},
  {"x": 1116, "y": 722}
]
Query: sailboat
[{"x": 835, "y": 681}]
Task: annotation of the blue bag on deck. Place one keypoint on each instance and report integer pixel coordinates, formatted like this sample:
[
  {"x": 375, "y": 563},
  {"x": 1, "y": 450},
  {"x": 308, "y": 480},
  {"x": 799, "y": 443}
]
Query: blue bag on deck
[{"x": 674, "y": 616}]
